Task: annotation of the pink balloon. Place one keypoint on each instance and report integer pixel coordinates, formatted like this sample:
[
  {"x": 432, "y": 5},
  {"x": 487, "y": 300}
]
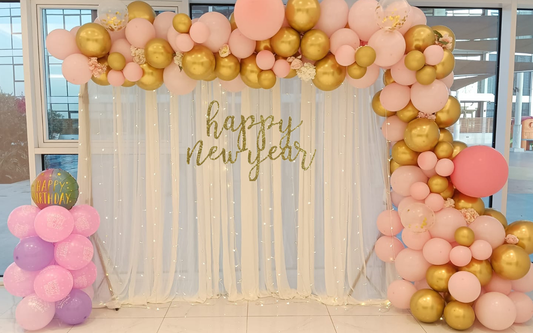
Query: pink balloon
[
  {"x": 406, "y": 202},
  {"x": 74, "y": 253},
  {"x": 86, "y": 220},
  {"x": 489, "y": 229},
  {"x": 265, "y": 60},
  {"x": 342, "y": 37},
  {"x": 523, "y": 305},
  {"x": 418, "y": 16},
  {"x": 434, "y": 54},
  {"x": 435, "y": 202},
  {"x": 345, "y": 55},
  {"x": 281, "y": 68},
  {"x": 54, "y": 224},
  {"x": 495, "y": 311},
  {"x": 448, "y": 80},
  {"x": 84, "y": 277},
  {"x": 133, "y": 72},
  {"x": 396, "y": 198},
  {"x": 389, "y": 223},
  {"x": 404, "y": 177},
  {"x": 427, "y": 160},
  {"x": 407, "y": 24},
  {"x": 53, "y": 283},
  {"x": 116, "y": 35},
  {"x": 240, "y": 45},
  {"x": 389, "y": 47},
  {"x": 234, "y": 86},
  {"x": 21, "y": 221},
  {"x": 499, "y": 284},
  {"x": 437, "y": 251},
  {"x": 362, "y": 19},
  {"x": 115, "y": 78},
  {"x": 19, "y": 282},
  {"x": 429, "y": 98},
  {"x": 123, "y": 47},
  {"x": 75, "y": 69},
  {"x": 74, "y": 31},
  {"x": 411, "y": 265},
  {"x": 415, "y": 240},
  {"x": 333, "y": 16},
  {"x": 419, "y": 191},
  {"x": 172, "y": 36},
  {"x": 33, "y": 313},
  {"x": 481, "y": 250},
  {"x": 524, "y": 284},
  {"x": 430, "y": 173},
  {"x": 480, "y": 171},
  {"x": 199, "y": 32},
  {"x": 387, "y": 248},
  {"x": 370, "y": 77},
  {"x": 395, "y": 97},
  {"x": 259, "y": 19},
  {"x": 417, "y": 217},
  {"x": 464, "y": 287},
  {"x": 139, "y": 31},
  {"x": 444, "y": 167},
  {"x": 448, "y": 220},
  {"x": 422, "y": 284},
  {"x": 460, "y": 256},
  {"x": 184, "y": 43},
  {"x": 162, "y": 23},
  {"x": 89, "y": 291},
  {"x": 177, "y": 81},
  {"x": 219, "y": 30},
  {"x": 402, "y": 74},
  {"x": 400, "y": 292},
  {"x": 393, "y": 129},
  {"x": 60, "y": 43}
]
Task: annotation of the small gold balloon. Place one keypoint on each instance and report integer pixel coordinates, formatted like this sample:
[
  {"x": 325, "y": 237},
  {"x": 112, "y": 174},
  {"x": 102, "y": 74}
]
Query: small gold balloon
[
  {"x": 404, "y": 155},
  {"x": 393, "y": 165},
  {"x": 102, "y": 79},
  {"x": 523, "y": 230},
  {"x": 408, "y": 113},
  {"x": 286, "y": 42},
  {"x": 449, "y": 114},
  {"x": 427, "y": 305},
  {"x": 419, "y": 37},
  {"x": 446, "y": 66},
  {"x": 151, "y": 79},
  {"x": 443, "y": 30},
  {"x": 315, "y": 45},
  {"x": 365, "y": 56},
  {"x": 387, "y": 78},
  {"x": 329, "y": 74},
  {"x": 355, "y": 71},
  {"x": 158, "y": 53},
  {"x": 378, "y": 108},
  {"x": 292, "y": 74},
  {"x": 422, "y": 134},
  {"x": 415, "y": 60},
  {"x": 93, "y": 40},
  {"x": 140, "y": 9},
  {"x": 510, "y": 261},
  {"x": 267, "y": 79},
  {"x": 232, "y": 22},
  {"x": 302, "y": 15},
  {"x": 445, "y": 135},
  {"x": 458, "y": 146},
  {"x": 448, "y": 192},
  {"x": 438, "y": 276},
  {"x": 182, "y": 23},
  {"x": 199, "y": 63},
  {"x": 464, "y": 236},
  {"x": 263, "y": 45},
  {"x": 250, "y": 72},
  {"x": 463, "y": 201},
  {"x": 459, "y": 316},
  {"x": 128, "y": 83},
  {"x": 227, "y": 68},
  {"x": 426, "y": 75},
  {"x": 116, "y": 61},
  {"x": 497, "y": 215},
  {"x": 443, "y": 149},
  {"x": 481, "y": 269},
  {"x": 438, "y": 184}
]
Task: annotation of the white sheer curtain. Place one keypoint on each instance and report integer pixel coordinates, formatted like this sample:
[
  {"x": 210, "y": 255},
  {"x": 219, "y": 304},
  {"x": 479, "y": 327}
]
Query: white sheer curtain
[{"x": 172, "y": 230}]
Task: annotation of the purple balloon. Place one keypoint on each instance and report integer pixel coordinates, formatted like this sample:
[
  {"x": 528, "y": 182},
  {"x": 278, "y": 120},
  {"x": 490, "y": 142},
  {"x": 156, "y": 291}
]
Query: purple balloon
[
  {"x": 33, "y": 254},
  {"x": 75, "y": 308}
]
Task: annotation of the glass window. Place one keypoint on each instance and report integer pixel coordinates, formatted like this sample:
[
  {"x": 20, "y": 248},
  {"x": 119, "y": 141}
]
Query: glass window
[
  {"x": 199, "y": 10},
  {"x": 69, "y": 163}
]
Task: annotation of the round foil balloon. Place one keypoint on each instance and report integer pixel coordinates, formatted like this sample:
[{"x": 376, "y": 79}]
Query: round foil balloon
[{"x": 54, "y": 187}]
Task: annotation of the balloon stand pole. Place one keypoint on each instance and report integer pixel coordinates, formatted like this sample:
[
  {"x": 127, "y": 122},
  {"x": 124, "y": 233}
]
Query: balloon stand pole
[{"x": 96, "y": 241}]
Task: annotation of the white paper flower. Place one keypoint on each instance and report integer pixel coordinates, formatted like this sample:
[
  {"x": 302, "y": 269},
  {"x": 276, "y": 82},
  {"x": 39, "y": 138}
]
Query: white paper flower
[
  {"x": 307, "y": 72},
  {"x": 469, "y": 214},
  {"x": 449, "y": 203},
  {"x": 224, "y": 51},
  {"x": 511, "y": 239},
  {"x": 96, "y": 68}
]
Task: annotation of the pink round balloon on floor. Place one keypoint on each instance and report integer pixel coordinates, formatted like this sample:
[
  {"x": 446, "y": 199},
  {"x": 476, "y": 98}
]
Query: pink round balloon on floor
[
  {"x": 184, "y": 43},
  {"x": 259, "y": 19},
  {"x": 236, "y": 85},
  {"x": 60, "y": 43},
  {"x": 481, "y": 250},
  {"x": 404, "y": 177},
  {"x": 74, "y": 253},
  {"x": 488, "y": 229},
  {"x": 415, "y": 240},
  {"x": 139, "y": 31},
  {"x": 437, "y": 251},
  {"x": 370, "y": 77},
  {"x": 75, "y": 69},
  {"x": 444, "y": 167},
  {"x": 524, "y": 284},
  {"x": 394, "y": 97},
  {"x": 84, "y": 277},
  {"x": 435, "y": 202},
  {"x": 464, "y": 287},
  {"x": 162, "y": 23},
  {"x": 429, "y": 98},
  {"x": 133, "y": 72},
  {"x": 495, "y": 311},
  {"x": 265, "y": 60},
  {"x": 393, "y": 129},
  {"x": 123, "y": 47},
  {"x": 387, "y": 248},
  {"x": 115, "y": 78},
  {"x": 427, "y": 160},
  {"x": 20, "y": 221},
  {"x": 281, "y": 68},
  {"x": 434, "y": 54},
  {"x": 460, "y": 256},
  {"x": 400, "y": 292},
  {"x": 411, "y": 265},
  {"x": 419, "y": 191},
  {"x": 499, "y": 284},
  {"x": 389, "y": 47},
  {"x": 447, "y": 221},
  {"x": 86, "y": 220},
  {"x": 389, "y": 223},
  {"x": 342, "y": 37},
  {"x": 333, "y": 16},
  {"x": 33, "y": 313},
  {"x": 19, "y": 282},
  {"x": 53, "y": 283},
  {"x": 523, "y": 305},
  {"x": 362, "y": 20},
  {"x": 345, "y": 55},
  {"x": 54, "y": 224},
  {"x": 219, "y": 30},
  {"x": 402, "y": 74},
  {"x": 176, "y": 81}
]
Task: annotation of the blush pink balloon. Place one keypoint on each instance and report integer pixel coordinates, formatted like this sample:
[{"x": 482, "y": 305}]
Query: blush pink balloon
[
  {"x": 435, "y": 202},
  {"x": 427, "y": 160},
  {"x": 133, "y": 72},
  {"x": 448, "y": 220},
  {"x": 345, "y": 55},
  {"x": 444, "y": 167},
  {"x": 33, "y": 313},
  {"x": 54, "y": 224},
  {"x": 389, "y": 223},
  {"x": 116, "y": 35},
  {"x": 396, "y": 198},
  {"x": 86, "y": 220},
  {"x": 281, "y": 68},
  {"x": 389, "y": 47},
  {"x": 402, "y": 74},
  {"x": 259, "y": 19},
  {"x": 75, "y": 69},
  {"x": 434, "y": 54},
  {"x": 415, "y": 240},
  {"x": 219, "y": 30},
  {"x": 480, "y": 171},
  {"x": 333, "y": 16},
  {"x": 404, "y": 177},
  {"x": 387, "y": 248},
  {"x": 429, "y": 98},
  {"x": 19, "y": 282},
  {"x": 406, "y": 202},
  {"x": 172, "y": 35},
  {"x": 74, "y": 31},
  {"x": 176, "y": 81},
  {"x": 123, "y": 47},
  {"x": 464, "y": 287},
  {"x": 53, "y": 283},
  {"x": 240, "y": 45},
  {"x": 418, "y": 16},
  {"x": 362, "y": 19},
  {"x": 460, "y": 256},
  {"x": 419, "y": 191},
  {"x": 523, "y": 305},
  {"x": 21, "y": 221},
  {"x": 60, "y": 43},
  {"x": 495, "y": 311},
  {"x": 417, "y": 217},
  {"x": 407, "y": 24},
  {"x": 265, "y": 60},
  {"x": 422, "y": 284},
  {"x": 437, "y": 251},
  {"x": 139, "y": 31},
  {"x": 499, "y": 284},
  {"x": 370, "y": 77},
  {"x": 524, "y": 284},
  {"x": 393, "y": 129},
  {"x": 411, "y": 265},
  {"x": 489, "y": 229},
  {"x": 84, "y": 277},
  {"x": 162, "y": 23},
  {"x": 74, "y": 253},
  {"x": 400, "y": 292},
  {"x": 395, "y": 97},
  {"x": 184, "y": 43},
  {"x": 430, "y": 173},
  {"x": 236, "y": 85},
  {"x": 199, "y": 32},
  {"x": 448, "y": 80},
  {"x": 115, "y": 78},
  {"x": 342, "y": 37},
  {"x": 481, "y": 250}
]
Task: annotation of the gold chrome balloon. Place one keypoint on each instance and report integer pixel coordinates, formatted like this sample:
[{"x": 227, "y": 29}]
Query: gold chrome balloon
[
  {"x": 459, "y": 316},
  {"x": 497, "y": 215},
  {"x": 227, "y": 68},
  {"x": 404, "y": 155},
  {"x": 448, "y": 192},
  {"x": 427, "y": 305},
  {"x": 445, "y": 135},
  {"x": 393, "y": 165},
  {"x": 415, "y": 60},
  {"x": 329, "y": 74},
  {"x": 450, "y": 113},
  {"x": 286, "y": 42},
  {"x": 463, "y": 201},
  {"x": 419, "y": 37},
  {"x": 262, "y": 45},
  {"x": 387, "y": 78},
  {"x": 365, "y": 56},
  {"x": 422, "y": 134},
  {"x": 446, "y": 66},
  {"x": 355, "y": 71},
  {"x": 250, "y": 72},
  {"x": 510, "y": 261},
  {"x": 158, "y": 53},
  {"x": 438, "y": 184},
  {"x": 523, "y": 230},
  {"x": 211, "y": 77},
  {"x": 93, "y": 40},
  {"x": 315, "y": 45},
  {"x": 232, "y": 21},
  {"x": 408, "y": 113},
  {"x": 458, "y": 146},
  {"x": 481, "y": 269},
  {"x": 128, "y": 83},
  {"x": 140, "y": 9},
  {"x": 102, "y": 79},
  {"x": 151, "y": 79},
  {"x": 426, "y": 75},
  {"x": 267, "y": 79},
  {"x": 378, "y": 108},
  {"x": 443, "y": 149},
  {"x": 199, "y": 63},
  {"x": 292, "y": 74},
  {"x": 302, "y": 15},
  {"x": 464, "y": 236},
  {"x": 445, "y": 30},
  {"x": 182, "y": 23},
  {"x": 438, "y": 276},
  {"x": 116, "y": 61}
]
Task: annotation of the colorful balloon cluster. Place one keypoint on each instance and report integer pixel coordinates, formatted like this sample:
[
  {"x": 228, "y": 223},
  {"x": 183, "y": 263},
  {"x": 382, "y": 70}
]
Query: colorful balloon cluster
[{"x": 53, "y": 268}]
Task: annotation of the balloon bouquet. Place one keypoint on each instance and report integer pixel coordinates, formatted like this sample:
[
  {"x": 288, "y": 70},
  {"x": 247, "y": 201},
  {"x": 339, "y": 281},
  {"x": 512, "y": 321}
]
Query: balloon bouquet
[{"x": 53, "y": 269}]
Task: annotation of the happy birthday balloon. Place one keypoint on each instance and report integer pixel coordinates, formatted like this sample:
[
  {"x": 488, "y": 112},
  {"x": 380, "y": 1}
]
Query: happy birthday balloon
[{"x": 54, "y": 187}]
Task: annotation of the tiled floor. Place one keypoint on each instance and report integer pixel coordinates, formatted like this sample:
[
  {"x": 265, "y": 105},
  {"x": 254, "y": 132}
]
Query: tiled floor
[{"x": 264, "y": 316}]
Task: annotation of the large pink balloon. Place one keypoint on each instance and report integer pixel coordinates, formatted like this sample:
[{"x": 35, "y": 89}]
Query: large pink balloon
[
  {"x": 116, "y": 35},
  {"x": 259, "y": 19},
  {"x": 389, "y": 223},
  {"x": 265, "y": 60},
  {"x": 488, "y": 229},
  {"x": 219, "y": 30},
  {"x": 448, "y": 80},
  {"x": 333, "y": 16},
  {"x": 74, "y": 253},
  {"x": 411, "y": 265},
  {"x": 362, "y": 18},
  {"x": 524, "y": 284},
  {"x": 75, "y": 69},
  {"x": 400, "y": 292},
  {"x": 429, "y": 98},
  {"x": 393, "y": 128},
  {"x": 437, "y": 251},
  {"x": 448, "y": 220},
  {"x": 420, "y": 191},
  {"x": 240, "y": 45},
  {"x": 172, "y": 35},
  {"x": 495, "y": 311},
  {"x": 54, "y": 224},
  {"x": 236, "y": 85},
  {"x": 395, "y": 97},
  {"x": 60, "y": 43},
  {"x": 499, "y": 284},
  {"x": 402, "y": 74},
  {"x": 523, "y": 305},
  {"x": 415, "y": 240},
  {"x": 343, "y": 37},
  {"x": 33, "y": 313},
  {"x": 422, "y": 284},
  {"x": 480, "y": 171},
  {"x": 370, "y": 77},
  {"x": 460, "y": 256},
  {"x": 404, "y": 177},
  {"x": 133, "y": 72},
  {"x": 19, "y": 282},
  {"x": 176, "y": 81},
  {"x": 139, "y": 31},
  {"x": 396, "y": 198},
  {"x": 84, "y": 277},
  {"x": 281, "y": 68},
  {"x": 184, "y": 43},
  {"x": 464, "y": 287},
  {"x": 387, "y": 248},
  {"x": 162, "y": 23},
  {"x": 418, "y": 16},
  {"x": 21, "y": 221},
  {"x": 389, "y": 47},
  {"x": 481, "y": 250},
  {"x": 53, "y": 283},
  {"x": 123, "y": 47}
]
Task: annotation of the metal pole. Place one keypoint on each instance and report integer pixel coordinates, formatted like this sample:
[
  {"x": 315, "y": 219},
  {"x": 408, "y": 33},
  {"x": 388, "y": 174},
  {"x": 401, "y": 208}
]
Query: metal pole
[{"x": 517, "y": 128}]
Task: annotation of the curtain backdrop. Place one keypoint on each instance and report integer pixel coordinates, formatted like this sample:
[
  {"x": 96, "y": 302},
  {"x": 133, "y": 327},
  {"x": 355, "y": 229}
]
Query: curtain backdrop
[{"x": 173, "y": 230}]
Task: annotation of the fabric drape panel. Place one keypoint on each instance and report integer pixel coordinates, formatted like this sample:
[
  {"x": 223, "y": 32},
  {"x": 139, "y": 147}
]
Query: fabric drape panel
[{"x": 177, "y": 230}]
